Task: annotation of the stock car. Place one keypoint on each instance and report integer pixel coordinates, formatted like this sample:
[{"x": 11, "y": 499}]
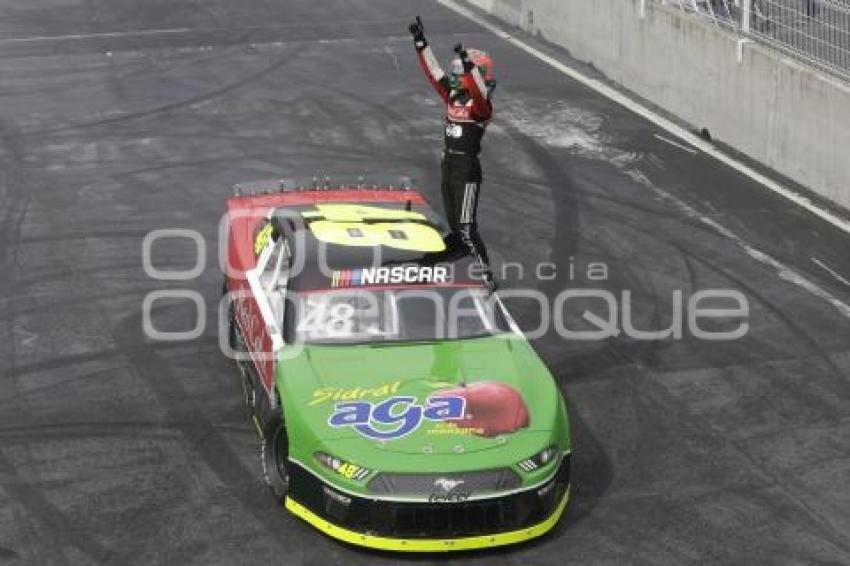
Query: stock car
[{"x": 398, "y": 405}]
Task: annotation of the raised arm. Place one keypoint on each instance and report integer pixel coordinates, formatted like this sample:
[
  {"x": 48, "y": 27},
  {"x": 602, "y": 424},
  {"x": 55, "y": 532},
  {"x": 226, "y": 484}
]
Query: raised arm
[
  {"x": 427, "y": 60},
  {"x": 481, "y": 105}
]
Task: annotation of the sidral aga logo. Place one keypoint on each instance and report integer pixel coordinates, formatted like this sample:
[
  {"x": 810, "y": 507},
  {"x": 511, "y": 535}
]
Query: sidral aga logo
[{"x": 395, "y": 417}]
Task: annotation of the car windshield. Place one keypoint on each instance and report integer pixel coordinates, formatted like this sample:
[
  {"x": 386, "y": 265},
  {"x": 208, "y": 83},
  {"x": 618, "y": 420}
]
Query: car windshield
[{"x": 346, "y": 316}]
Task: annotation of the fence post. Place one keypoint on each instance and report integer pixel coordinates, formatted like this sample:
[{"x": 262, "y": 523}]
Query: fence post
[{"x": 746, "y": 13}]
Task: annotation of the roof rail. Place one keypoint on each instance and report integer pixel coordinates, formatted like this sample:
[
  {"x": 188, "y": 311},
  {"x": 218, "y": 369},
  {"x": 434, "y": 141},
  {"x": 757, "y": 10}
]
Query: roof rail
[{"x": 323, "y": 182}]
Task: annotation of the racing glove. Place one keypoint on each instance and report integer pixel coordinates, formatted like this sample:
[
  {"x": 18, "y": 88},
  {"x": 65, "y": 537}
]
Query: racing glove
[
  {"x": 460, "y": 51},
  {"x": 417, "y": 30}
]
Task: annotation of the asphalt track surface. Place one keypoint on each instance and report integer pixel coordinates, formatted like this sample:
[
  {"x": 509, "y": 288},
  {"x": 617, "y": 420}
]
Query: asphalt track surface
[{"x": 115, "y": 449}]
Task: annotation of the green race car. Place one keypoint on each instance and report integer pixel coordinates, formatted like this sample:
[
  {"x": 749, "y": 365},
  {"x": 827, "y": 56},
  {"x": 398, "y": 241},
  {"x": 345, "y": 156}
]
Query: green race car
[{"x": 399, "y": 406}]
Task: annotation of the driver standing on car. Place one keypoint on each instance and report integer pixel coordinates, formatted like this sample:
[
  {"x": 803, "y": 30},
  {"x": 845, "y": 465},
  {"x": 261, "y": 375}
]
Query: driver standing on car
[{"x": 466, "y": 90}]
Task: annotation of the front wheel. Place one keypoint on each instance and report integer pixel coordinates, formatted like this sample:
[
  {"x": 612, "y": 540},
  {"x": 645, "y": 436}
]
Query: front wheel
[{"x": 274, "y": 457}]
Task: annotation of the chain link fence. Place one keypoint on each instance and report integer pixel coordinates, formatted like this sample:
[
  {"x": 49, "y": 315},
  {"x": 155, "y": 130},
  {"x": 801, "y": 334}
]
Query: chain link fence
[{"x": 816, "y": 31}]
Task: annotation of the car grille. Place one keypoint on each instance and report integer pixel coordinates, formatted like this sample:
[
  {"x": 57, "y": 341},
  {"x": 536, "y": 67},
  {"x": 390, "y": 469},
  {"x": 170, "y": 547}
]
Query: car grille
[
  {"x": 423, "y": 485},
  {"x": 404, "y": 519},
  {"x": 450, "y": 520}
]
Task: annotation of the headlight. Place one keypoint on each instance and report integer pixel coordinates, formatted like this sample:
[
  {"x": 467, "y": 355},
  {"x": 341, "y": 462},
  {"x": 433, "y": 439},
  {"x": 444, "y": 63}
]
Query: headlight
[
  {"x": 539, "y": 460},
  {"x": 341, "y": 467}
]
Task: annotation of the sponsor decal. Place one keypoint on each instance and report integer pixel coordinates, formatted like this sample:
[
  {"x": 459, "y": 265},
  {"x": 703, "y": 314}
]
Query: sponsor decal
[
  {"x": 352, "y": 471},
  {"x": 262, "y": 237},
  {"x": 491, "y": 409},
  {"x": 453, "y": 497},
  {"x": 454, "y": 429},
  {"x": 454, "y": 130},
  {"x": 341, "y": 467},
  {"x": 325, "y": 394},
  {"x": 457, "y": 112},
  {"x": 398, "y": 274},
  {"x": 447, "y": 490},
  {"x": 395, "y": 417},
  {"x": 484, "y": 408}
]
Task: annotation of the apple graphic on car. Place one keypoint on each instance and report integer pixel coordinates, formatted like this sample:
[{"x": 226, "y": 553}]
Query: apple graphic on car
[{"x": 493, "y": 408}]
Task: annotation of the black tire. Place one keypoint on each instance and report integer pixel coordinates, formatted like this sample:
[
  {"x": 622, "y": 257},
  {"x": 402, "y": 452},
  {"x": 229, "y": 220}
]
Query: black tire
[{"x": 274, "y": 458}]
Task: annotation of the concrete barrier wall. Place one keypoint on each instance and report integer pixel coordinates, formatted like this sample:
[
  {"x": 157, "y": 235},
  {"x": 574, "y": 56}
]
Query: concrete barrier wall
[{"x": 774, "y": 109}]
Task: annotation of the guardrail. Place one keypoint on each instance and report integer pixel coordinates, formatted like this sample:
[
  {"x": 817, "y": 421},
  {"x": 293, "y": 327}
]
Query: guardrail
[{"x": 815, "y": 31}]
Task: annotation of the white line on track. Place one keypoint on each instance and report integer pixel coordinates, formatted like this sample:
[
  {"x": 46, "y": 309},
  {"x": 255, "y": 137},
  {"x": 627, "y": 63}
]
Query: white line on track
[
  {"x": 658, "y": 120},
  {"x": 136, "y": 33},
  {"x": 674, "y": 143},
  {"x": 783, "y": 271},
  {"x": 831, "y": 271}
]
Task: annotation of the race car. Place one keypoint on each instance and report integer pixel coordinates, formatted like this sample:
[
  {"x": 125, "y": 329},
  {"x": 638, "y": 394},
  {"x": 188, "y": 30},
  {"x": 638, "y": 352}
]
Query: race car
[{"x": 398, "y": 405}]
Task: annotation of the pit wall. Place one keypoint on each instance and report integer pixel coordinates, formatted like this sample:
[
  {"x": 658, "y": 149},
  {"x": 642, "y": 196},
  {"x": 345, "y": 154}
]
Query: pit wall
[{"x": 780, "y": 112}]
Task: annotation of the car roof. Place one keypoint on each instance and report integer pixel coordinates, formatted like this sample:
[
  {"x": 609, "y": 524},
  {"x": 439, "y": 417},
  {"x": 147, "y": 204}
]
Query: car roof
[{"x": 296, "y": 221}]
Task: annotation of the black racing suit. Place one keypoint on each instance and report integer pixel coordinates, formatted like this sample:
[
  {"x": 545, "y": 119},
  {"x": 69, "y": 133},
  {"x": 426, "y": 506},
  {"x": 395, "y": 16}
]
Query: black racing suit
[{"x": 468, "y": 112}]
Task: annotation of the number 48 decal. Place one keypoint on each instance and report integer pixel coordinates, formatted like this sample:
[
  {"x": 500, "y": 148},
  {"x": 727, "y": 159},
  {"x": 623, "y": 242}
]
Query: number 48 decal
[{"x": 370, "y": 226}]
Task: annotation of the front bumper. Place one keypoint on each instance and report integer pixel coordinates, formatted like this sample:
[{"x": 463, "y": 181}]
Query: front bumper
[{"x": 429, "y": 527}]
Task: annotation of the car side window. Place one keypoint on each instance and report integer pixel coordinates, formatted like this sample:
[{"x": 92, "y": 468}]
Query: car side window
[
  {"x": 276, "y": 277},
  {"x": 267, "y": 277},
  {"x": 276, "y": 265}
]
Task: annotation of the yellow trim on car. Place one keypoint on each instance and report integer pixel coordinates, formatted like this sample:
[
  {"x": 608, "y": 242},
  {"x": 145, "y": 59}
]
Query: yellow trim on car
[{"x": 428, "y": 545}]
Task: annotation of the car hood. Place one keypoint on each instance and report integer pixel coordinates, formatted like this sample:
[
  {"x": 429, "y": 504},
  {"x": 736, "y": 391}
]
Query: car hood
[{"x": 450, "y": 397}]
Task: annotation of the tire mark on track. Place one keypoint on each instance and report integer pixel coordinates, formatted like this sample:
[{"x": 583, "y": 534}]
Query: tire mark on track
[
  {"x": 57, "y": 526},
  {"x": 591, "y": 463},
  {"x": 819, "y": 521},
  {"x": 55, "y": 236},
  {"x": 659, "y": 399},
  {"x": 690, "y": 256},
  {"x": 227, "y": 162},
  {"x": 109, "y": 429},
  {"x": 822, "y": 522},
  {"x": 589, "y": 203},
  {"x": 21, "y": 307},
  {"x": 59, "y": 272},
  {"x": 18, "y": 185},
  {"x": 77, "y": 86},
  {"x": 203, "y": 438},
  {"x": 60, "y": 362},
  {"x": 839, "y": 383},
  {"x": 357, "y": 144},
  {"x": 210, "y": 95}
]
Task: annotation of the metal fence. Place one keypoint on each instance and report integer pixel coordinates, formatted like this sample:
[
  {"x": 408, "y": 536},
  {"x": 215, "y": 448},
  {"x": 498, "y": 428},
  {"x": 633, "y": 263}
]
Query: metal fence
[{"x": 816, "y": 31}]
